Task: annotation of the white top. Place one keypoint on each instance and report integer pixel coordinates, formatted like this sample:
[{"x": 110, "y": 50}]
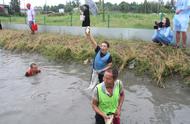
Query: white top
[
  {"x": 183, "y": 5},
  {"x": 30, "y": 14}
]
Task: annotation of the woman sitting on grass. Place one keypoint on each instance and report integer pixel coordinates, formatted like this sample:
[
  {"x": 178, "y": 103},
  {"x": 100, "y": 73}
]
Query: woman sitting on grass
[{"x": 163, "y": 34}]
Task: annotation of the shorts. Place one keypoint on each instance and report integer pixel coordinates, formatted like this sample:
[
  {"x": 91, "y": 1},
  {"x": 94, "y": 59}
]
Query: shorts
[{"x": 181, "y": 22}]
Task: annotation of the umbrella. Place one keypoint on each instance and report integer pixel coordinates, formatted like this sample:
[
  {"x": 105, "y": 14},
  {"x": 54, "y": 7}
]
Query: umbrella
[{"x": 92, "y": 6}]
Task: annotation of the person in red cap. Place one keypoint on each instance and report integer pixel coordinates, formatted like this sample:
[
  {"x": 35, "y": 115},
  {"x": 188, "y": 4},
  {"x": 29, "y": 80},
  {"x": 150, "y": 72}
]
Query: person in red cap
[
  {"x": 33, "y": 70},
  {"x": 30, "y": 16}
]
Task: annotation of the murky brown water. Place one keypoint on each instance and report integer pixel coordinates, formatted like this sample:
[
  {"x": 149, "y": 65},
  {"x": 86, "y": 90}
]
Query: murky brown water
[{"x": 57, "y": 95}]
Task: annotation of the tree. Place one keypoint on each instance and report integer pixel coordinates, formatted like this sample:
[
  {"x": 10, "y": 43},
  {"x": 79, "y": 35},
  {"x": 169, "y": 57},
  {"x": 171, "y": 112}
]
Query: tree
[
  {"x": 172, "y": 3},
  {"x": 68, "y": 7},
  {"x": 124, "y": 7},
  {"x": 61, "y": 6},
  {"x": 133, "y": 7},
  {"x": 15, "y": 6},
  {"x": 46, "y": 8},
  {"x": 76, "y": 3},
  {"x": 108, "y": 6},
  {"x": 145, "y": 6}
]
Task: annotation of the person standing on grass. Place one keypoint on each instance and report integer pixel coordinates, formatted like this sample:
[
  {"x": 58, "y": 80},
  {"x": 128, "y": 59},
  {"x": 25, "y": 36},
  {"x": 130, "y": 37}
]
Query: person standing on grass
[
  {"x": 108, "y": 98},
  {"x": 30, "y": 17},
  {"x": 181, "y": 21},
  {"x": 102, "y": 60}
]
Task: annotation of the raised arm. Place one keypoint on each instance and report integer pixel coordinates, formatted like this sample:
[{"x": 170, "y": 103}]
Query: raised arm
[{"x": 91, "y": 39}]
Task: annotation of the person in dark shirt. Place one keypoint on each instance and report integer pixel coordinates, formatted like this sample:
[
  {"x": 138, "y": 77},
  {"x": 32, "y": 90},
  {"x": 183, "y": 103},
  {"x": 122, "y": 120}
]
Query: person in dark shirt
[
  {"x": 102, "y": 60},
  {"x": 0, "y": 25},
  {"x": 86, "y": 15},
  {"x": 33, "y": 70}
]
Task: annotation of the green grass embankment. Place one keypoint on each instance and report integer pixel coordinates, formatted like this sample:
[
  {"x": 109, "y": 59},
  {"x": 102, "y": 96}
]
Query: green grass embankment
[
  {"x": 148, "y": 58},
  {"x": 116, "y": 20}
]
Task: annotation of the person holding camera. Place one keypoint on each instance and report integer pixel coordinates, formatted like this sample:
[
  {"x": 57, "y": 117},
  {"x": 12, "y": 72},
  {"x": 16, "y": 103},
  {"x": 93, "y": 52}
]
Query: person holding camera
[
  {"x": 163, "y": 33},
  {"x": 181, "y": 21}
]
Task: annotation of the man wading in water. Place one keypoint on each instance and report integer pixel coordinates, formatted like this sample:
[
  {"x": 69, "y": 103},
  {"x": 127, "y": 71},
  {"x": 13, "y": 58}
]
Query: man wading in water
[
  {"x": 33, "y": 70},
  {"x": 102, "y": 60},
  {"x": 108, "y": 99}
]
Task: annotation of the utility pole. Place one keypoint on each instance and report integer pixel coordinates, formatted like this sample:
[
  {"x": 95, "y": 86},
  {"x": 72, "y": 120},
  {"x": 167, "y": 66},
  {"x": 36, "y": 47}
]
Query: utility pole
[
  {"x": 158, "y": 6},
  {"x": 46, "y": 6},
  {"x": 24, "y": 4},
  {"x": 103, "y": 10}
]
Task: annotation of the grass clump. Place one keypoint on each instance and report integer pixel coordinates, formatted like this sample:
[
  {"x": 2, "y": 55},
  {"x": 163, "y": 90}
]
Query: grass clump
[{"x": 147, "y": 58}]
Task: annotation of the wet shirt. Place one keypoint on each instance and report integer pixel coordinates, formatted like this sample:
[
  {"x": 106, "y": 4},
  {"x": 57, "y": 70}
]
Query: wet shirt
[
  {"x": 117, "y": 82},
  {"x": 31, "y": 73},
  {"x": 30, "y": 14}
]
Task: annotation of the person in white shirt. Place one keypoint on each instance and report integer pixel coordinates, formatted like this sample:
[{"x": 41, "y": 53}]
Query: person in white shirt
[{"x": 30, "y": 16}]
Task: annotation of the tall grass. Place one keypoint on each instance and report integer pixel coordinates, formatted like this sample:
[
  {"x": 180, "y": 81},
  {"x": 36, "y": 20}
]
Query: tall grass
[{"x": 148, "y": 58}]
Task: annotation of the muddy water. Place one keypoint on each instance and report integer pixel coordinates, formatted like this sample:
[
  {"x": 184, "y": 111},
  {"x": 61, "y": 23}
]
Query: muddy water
[{"x": 57, "y": 95}]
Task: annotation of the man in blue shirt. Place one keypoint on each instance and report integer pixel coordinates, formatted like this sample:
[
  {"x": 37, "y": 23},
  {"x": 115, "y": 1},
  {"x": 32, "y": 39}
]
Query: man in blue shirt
[{"x": 102, "y": 60}]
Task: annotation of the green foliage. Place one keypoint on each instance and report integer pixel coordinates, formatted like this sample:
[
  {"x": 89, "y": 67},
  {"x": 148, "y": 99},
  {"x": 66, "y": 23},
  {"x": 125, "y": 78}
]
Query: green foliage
[
  {"x": 142, "y": 67},
  {"x": 117, "y": 60},
  {"x": 15, "y": 7},
  {"x": 147, "y": 58},
  {"x": 123, "y": 20},
  {"x": 68, "y": 7},
  {"x": 146, "y": 7},
  {"x": 2, "y": 43},
  {"x": 21, "y": 46}
]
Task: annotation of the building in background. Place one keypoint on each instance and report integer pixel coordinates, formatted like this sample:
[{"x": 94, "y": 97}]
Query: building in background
[
  {"x": 38, "y": 10},
  {"x": 4, "y": 9},
  {"x": 23, "y": 11},
  {"x": 61, "y": 10}
]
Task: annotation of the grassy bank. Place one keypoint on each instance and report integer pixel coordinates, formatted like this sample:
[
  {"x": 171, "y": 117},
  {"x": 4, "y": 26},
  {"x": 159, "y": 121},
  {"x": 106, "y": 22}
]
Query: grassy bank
[
  {"x": 117, "y": 19},
  {"x": 147, "y": 58}
]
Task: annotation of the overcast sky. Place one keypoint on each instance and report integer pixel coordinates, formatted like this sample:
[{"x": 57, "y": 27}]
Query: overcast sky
[{"x": 56, "y": 2}]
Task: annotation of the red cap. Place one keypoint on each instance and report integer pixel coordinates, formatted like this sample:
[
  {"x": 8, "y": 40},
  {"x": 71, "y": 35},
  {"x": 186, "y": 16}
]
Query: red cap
[{"x": 28, "y": 4}]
